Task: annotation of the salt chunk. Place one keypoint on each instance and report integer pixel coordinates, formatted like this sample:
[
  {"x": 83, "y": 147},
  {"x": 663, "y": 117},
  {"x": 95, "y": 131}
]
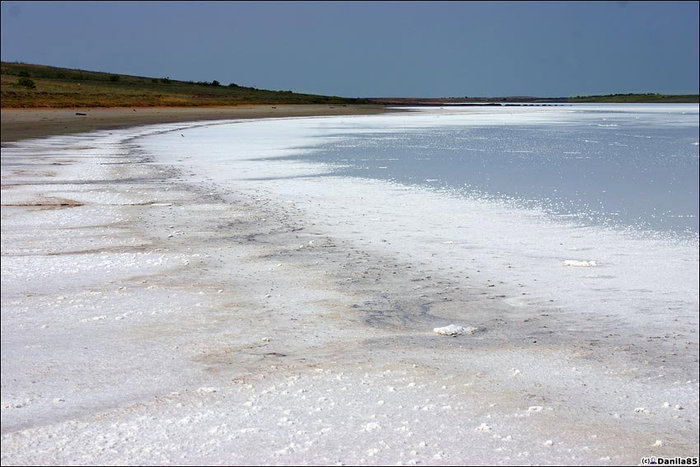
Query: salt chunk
[
  {"x": 535, "y": 408},
  {"x": 483, "y": 427},
  {"x": 658, "y": 443},
  {"x": 372, "y": 426},
  {"x": 94, "y": 318},
  {"x": 579, "y": 264},
  {"x": 549, "y": 442},
  {"x": 454, "y": 330}
]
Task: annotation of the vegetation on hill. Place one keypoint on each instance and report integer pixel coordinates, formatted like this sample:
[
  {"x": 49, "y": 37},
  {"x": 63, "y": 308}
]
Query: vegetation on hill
[
  {"x": 25, "y": 85},
  {"x": 638, "y": 98},
  {"x": 31, "y": 86}
]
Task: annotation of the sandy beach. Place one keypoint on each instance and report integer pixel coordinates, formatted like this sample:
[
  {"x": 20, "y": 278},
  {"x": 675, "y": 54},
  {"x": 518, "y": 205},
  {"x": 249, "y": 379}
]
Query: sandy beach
[
  {"x": 151, "y": 317},
  {"x": 19, "y": 124}
]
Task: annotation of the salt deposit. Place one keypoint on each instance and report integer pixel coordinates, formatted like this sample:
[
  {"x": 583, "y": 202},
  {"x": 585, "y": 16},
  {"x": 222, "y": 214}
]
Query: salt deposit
[
  {"x": 579, "y": 263},
  {"x": 454, "y": 330},
  {"x": 226, "y": 343}
]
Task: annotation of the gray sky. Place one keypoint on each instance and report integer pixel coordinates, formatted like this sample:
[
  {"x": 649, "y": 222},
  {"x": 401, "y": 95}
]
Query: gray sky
[{"x": 368, "y": 49}]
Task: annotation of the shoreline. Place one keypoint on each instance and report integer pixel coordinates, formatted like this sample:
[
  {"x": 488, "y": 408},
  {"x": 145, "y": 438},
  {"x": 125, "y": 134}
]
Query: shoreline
[
  {"x": 219, "y": 326},
  {"x": 18, "y": 124}
]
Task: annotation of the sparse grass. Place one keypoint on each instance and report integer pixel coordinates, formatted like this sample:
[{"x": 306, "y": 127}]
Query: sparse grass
[{"x": 63, "y": 87}]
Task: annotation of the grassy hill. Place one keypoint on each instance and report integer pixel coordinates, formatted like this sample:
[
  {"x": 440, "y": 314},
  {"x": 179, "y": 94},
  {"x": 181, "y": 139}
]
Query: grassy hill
[
  {"x": 648, "y": 98},
  {"x": 31, "y": 86}
]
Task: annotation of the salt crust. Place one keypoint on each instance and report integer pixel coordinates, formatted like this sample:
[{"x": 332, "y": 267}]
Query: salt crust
[
  {"x": 454, "y": 330},
  {"x": 280, "y": 413},
  {"x": 579, "y": 263}
]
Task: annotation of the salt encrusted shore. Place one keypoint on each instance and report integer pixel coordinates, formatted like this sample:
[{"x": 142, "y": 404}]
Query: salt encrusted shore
[{"x": 151, "y": 318}]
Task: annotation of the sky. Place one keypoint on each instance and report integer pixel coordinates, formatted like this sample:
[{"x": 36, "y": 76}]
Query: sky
[{"x": 372, "y": 49}]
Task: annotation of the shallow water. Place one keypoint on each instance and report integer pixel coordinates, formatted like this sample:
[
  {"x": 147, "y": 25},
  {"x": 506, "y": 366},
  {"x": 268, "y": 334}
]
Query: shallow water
[
  {"x": 633, "y": 166},
  {"x": 609, "y": 230}
]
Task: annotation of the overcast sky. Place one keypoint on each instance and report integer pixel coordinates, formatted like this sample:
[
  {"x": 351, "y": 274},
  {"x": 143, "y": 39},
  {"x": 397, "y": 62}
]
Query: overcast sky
[{"x": 368, "y": 49}]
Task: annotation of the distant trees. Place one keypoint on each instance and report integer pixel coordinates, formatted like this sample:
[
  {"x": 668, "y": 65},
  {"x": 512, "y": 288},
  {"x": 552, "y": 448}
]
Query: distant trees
[{"x": 206, "y": 83}]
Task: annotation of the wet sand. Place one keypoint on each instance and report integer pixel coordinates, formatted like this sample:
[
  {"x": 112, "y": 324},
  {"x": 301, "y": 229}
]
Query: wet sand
[
  {"x": 20, "y": 124},
  {"x": 161, "y": 319}
]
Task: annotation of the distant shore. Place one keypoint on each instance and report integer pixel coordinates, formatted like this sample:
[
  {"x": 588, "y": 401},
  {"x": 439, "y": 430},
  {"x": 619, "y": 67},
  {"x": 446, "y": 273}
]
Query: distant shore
[{"x": 18, "y": 124}]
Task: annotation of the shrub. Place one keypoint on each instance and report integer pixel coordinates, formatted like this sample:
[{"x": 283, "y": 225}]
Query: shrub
[
  {"x": 165, "y": 80},
  {"x": 215, "y": 83},
  {"x": 154, "y": 80},
  {"x": 232, "y": 85},
  {"x": 24, "y": 74},
  {"x": 114, "y": 78},
  {"x": 26, "y": 82}
]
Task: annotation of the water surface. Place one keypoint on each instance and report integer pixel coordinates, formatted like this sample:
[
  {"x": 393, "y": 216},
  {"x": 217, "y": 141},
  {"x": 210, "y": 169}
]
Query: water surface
[{"x": 631, "y": 166}]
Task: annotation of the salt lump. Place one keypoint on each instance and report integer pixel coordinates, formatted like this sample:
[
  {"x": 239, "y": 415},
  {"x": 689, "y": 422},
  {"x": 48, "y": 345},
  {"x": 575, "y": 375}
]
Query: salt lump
[
  {"x": 580, "y": 264},
  {"x": 454, "y": 330}
]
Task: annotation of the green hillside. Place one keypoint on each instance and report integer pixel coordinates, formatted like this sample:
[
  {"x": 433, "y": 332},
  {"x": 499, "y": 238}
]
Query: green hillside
[{"x": 25, "y": 85}]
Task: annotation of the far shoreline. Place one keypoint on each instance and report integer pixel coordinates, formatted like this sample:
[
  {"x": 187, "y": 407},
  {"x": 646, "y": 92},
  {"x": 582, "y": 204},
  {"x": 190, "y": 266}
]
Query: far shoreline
[{"x": 19, "y": 124}]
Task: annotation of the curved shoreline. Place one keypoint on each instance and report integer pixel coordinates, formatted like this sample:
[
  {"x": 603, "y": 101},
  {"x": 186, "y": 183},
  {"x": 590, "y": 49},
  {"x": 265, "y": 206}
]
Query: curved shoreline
[{"x": 224, "y": 327}]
